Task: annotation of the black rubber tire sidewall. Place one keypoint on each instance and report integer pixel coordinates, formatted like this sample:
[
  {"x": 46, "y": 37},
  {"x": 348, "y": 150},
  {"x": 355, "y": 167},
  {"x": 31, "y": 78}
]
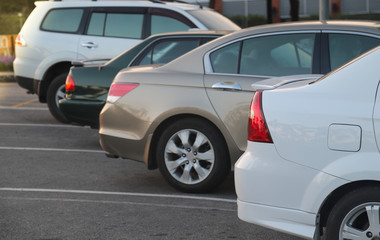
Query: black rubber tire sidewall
[
  {"x": 221, "y": 166},
  {"x": 345, "y": 205},
  {"x": 51, "y": 94}
]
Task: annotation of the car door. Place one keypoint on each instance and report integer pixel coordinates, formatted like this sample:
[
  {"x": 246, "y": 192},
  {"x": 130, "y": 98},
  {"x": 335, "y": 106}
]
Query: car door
[
  {"x": 231, "y": 70},
  {"x": 111, "y": 31}
]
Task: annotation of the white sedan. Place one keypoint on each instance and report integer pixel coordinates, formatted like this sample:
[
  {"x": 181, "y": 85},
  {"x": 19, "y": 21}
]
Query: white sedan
[{"x": 312, "y": 164}]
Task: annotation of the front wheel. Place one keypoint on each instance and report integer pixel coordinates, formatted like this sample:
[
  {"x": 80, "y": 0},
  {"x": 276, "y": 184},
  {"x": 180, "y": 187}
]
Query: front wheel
[
  {"x": 56, "y": 92},
  {"x": 356, "y": 216},
  {"x": 192, "y": 155}
]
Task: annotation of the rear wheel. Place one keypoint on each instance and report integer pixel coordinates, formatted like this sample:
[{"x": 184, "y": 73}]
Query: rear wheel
[
  {"x": 356, "y": 216},
  {"x": 56, "y": 92},
  {"x": 192, "y": 155}
]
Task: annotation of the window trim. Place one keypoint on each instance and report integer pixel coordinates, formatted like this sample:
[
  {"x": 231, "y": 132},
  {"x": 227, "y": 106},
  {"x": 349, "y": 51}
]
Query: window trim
[{"x": 207, "y": 62}]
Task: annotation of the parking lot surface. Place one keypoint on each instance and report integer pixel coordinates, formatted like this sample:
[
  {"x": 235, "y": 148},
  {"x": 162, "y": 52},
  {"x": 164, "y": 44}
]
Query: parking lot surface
[{"x": 56, "y": 183}]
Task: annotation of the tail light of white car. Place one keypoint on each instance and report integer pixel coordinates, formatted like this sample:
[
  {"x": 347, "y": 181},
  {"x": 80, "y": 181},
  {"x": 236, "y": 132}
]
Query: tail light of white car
[
  {"x": 257, "y": 127},
  {"x": 118, "y": 90}
]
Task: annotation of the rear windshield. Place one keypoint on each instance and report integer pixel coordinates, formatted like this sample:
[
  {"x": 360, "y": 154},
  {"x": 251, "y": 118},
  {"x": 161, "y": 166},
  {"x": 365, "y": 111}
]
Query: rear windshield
[{"x": 213, "y": 20}]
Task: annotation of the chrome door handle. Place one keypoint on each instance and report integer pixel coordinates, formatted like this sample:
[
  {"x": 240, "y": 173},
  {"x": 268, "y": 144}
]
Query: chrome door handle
[
  {"x": 227, "y": 86},
  {"x": 89, "y": 44}
]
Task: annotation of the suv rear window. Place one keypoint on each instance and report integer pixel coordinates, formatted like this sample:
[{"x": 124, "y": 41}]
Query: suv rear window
[{"x": 63, "y": 20}]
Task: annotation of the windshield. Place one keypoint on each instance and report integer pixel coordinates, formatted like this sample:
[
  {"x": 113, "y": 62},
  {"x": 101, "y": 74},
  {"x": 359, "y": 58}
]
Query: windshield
[{"x": 213, "y": 20}]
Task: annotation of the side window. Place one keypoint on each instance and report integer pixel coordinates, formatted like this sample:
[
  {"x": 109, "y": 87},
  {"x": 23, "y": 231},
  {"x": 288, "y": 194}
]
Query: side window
[
  {"x": 162, "y": 24},
  {"x": 124, "y": 25},
  {"x": 166, "y": 51},
  {"x": 96, "y": 25},
  {"x": 63, "y": 20},
  {"x": 279, "y": 55},
  {"x": 225, "y": 60},
  {"x": 345, "y": 47}
]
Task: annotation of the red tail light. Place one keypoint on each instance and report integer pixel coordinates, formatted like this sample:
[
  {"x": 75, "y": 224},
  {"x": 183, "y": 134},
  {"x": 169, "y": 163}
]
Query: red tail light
[
  {"x": 70, "y": 84},
  {"x": 118, "y": 90},
  {"x": 257, "y": 127}
]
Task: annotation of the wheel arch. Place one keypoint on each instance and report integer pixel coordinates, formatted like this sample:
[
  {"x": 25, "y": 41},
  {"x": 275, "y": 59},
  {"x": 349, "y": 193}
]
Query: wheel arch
[
  {"x": 152, "y": 161},
  {"x": 338, "y": 194},
  {"x": 50, "y": 74}
]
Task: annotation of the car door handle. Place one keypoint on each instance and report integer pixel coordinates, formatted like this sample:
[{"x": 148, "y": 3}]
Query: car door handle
[
  {"x": 89, "y": 44},
  {"x": 227, "y": 86}
]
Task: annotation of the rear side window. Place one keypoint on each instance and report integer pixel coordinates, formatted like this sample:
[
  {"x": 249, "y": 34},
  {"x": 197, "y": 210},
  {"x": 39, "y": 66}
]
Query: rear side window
[
  {"x": 277, "y": 55},
  {"x": 167, "y": 50},
  {"x": 345, "y": 47},
  {"x": 63, "y": 20},
  {"x": 124, "y": 25}
]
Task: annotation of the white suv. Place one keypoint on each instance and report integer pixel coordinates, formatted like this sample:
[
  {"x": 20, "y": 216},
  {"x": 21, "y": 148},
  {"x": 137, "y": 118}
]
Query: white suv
[{"x": 57, "y": 33}]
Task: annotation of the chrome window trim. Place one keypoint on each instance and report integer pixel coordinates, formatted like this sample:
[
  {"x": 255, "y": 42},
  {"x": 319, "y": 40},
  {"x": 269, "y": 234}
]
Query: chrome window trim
[
  {"x": 352, "y": 33},
  {"x": 206, "y": 59}
]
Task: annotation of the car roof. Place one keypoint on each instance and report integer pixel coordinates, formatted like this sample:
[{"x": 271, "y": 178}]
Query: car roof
[
  {"x": 367, "y": 27},
  {"x": 127, "y": 3},
  {"x": 191, "y": 33}
]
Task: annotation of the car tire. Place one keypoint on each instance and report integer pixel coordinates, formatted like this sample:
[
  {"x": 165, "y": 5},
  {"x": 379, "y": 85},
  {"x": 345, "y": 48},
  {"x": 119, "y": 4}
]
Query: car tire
[
  {"x": 192, "y": 156},
  {"x": 355, "y": 214},
  {"x": 56, "y": 92}
]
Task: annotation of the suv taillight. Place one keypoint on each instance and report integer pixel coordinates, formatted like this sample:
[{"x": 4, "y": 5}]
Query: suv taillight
[
  {"x": 70, "y": 84},
  {"x": 257, "y": 126},
  {"x": 118, "y": 90}
]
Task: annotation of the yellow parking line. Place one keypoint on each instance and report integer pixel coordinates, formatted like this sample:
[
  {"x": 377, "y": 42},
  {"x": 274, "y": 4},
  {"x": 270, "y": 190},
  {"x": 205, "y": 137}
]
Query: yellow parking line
[{"x": 24, "y": 103}]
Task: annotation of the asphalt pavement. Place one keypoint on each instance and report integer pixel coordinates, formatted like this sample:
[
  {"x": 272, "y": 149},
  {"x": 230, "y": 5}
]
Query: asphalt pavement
[{"x": 56, "y": 183}]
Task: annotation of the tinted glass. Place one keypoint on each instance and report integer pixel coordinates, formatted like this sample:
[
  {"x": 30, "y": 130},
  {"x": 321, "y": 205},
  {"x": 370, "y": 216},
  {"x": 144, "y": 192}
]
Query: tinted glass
[
  {"x": 124, "y": 25},
  {"x": 278, "y": 55},
  {"x": 345, "y": 47},
  {"x": 225, "y": 60},
  {"x": 96, "y": 26},
  {"x": 162, "y": 24},
  {"x": 63, "y": 20},
  {"x": 166, "y": 51}
]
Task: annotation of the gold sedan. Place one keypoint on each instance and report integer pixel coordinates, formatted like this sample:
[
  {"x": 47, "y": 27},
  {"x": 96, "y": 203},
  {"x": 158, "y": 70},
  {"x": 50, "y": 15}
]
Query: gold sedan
[{"x": 189, "y": 117}]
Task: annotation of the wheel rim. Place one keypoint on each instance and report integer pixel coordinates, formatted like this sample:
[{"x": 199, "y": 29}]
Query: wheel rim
[
  {"x": 61, "y": 92},
  {"x": 362, "y": 222},
  {"x": 189, "y": 156}
]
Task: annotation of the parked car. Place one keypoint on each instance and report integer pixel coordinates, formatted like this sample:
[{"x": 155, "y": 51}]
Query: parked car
[
  {"x": 188, "y": 117},
  {"x": 59, "y": 32},
  {"x": 87, "y": 87},
  {"x": 312, "y": 161}
]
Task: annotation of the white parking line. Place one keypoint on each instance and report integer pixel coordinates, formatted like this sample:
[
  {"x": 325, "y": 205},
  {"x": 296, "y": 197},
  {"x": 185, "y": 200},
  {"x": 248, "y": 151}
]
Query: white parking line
[
  {"x": 24, "y": 108},
  {"x": 119, "y": 202},
  {"x": 50, "y": 149},
  {"x": 40, "y": 125},
  {"x": 39, "y": 190}
]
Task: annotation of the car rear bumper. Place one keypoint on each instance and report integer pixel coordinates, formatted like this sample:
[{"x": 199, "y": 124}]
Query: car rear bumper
[
  {"x": 29, "y": 84},
  {"x": 123, "y": 133},
  {"x": 115, "y": 146},
  {"x": 279, "y": 194},
  {"x": 82, "y": 112},
  {"x": 294, "y": 222}
]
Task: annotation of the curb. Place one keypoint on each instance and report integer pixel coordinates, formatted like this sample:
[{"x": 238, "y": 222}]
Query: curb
[{"x": 7, "y": 77}]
